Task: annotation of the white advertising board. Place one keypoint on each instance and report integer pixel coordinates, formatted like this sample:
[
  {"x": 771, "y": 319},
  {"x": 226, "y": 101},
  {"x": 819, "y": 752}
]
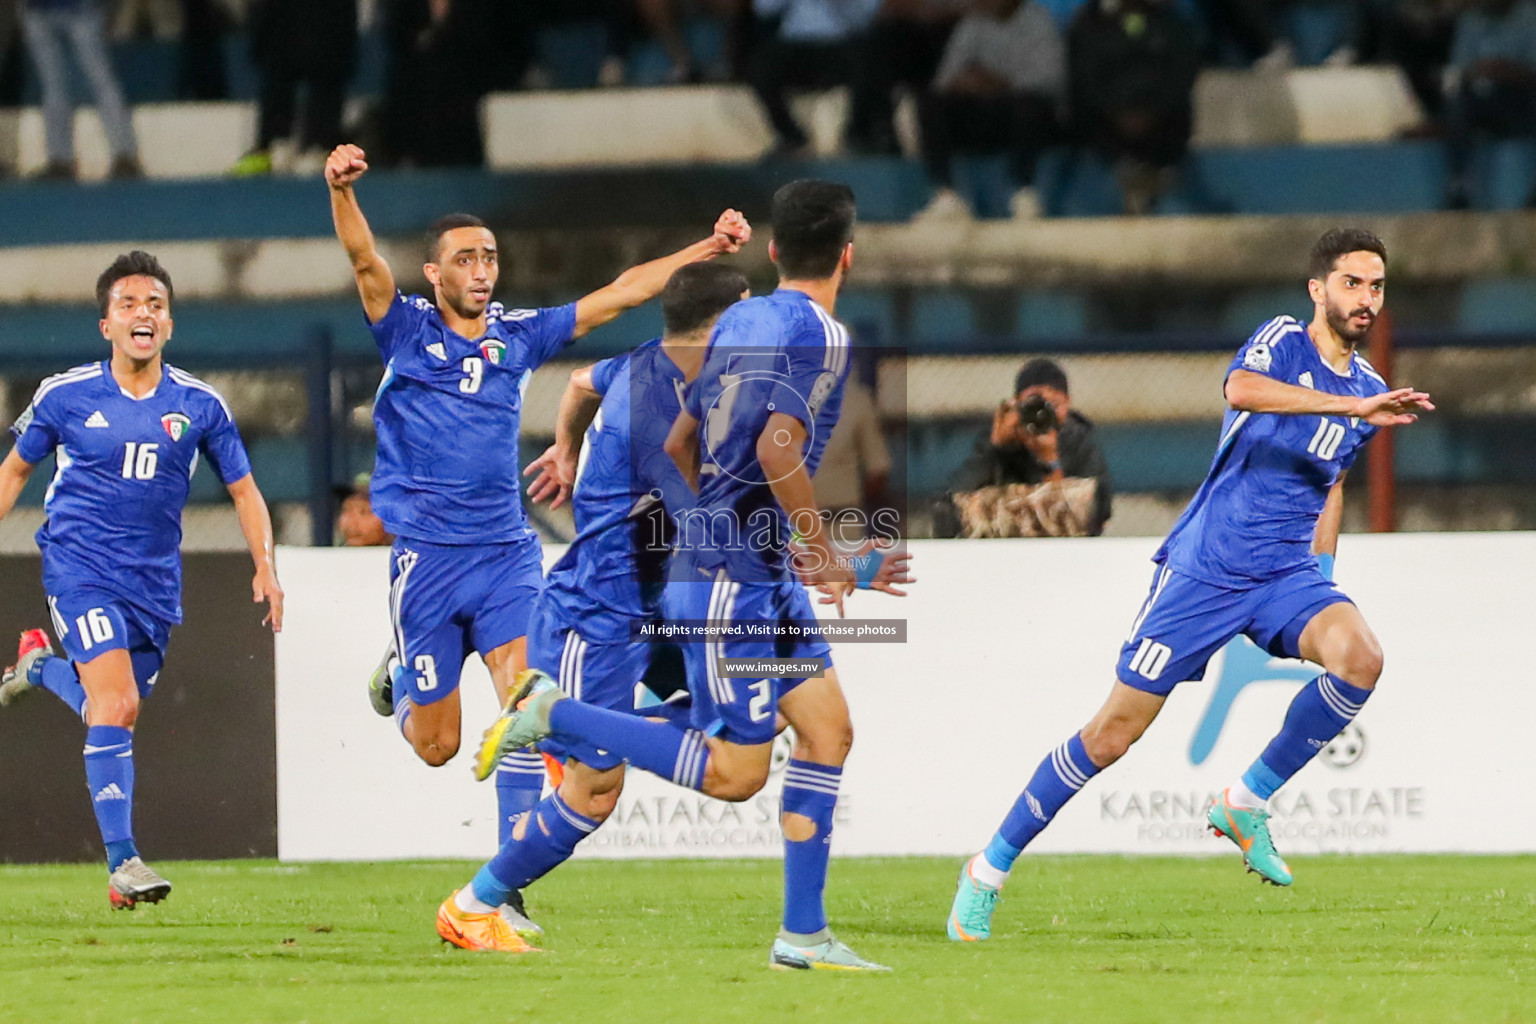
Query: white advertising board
[{"x": 1011, "y": 647}]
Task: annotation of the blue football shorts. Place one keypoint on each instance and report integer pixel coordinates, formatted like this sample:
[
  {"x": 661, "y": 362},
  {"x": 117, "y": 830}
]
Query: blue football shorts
[
  {"x": 743, "y": 710},
  {"x": 1185, "y": 621},
  {"x": 90, "y": 622},
  {"x": 447, "y": 600}
]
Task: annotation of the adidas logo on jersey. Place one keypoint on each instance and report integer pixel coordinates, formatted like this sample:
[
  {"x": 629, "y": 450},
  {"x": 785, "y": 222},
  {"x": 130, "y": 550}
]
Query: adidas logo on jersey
[
  {"x": 96, "y": 419},
  {"x": 437, "y": 349},
  {"x": 110, "y": 792}
]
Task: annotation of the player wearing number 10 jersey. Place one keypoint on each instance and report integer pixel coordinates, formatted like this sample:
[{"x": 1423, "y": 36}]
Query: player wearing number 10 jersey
[
  {"x": 126, "y": 434},
  {"x": 1251, "y": 555}
]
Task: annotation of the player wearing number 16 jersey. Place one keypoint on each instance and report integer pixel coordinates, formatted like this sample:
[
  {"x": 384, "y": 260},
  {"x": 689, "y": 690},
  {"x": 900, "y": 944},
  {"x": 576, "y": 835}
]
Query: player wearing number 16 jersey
[
  {"x": 1251, "y": 555},
  {"x": 126, "y": 434}
]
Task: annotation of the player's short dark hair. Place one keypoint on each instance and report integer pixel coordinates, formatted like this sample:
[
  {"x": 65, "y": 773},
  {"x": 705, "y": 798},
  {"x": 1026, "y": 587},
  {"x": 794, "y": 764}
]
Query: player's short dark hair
[
  {"x": 1040, "y": 372},
  {"x": 699, "y": 292},
  {"x": 445, "y": 224},
  {"x": 1341, "y": 242},
  {"x": 812, "y": 223},
  {"x": 131, "y": 264}
]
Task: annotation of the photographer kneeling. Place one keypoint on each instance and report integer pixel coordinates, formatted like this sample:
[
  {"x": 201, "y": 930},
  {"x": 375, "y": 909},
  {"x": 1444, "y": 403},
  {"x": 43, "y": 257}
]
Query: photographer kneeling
[{"x": 1038, "y": 472}]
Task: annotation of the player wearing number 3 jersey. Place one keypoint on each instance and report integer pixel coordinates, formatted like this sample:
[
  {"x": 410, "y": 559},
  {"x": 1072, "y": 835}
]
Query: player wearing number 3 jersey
[
  {"x": 126, "y": 434},
  {"x": 1251, "y": 555},
  {"x": 465, "y": 566}
]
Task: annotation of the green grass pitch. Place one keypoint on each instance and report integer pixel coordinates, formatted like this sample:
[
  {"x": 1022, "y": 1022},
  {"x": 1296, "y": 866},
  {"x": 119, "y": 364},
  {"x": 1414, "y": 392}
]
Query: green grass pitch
[{"x": 1077, "y": 939}]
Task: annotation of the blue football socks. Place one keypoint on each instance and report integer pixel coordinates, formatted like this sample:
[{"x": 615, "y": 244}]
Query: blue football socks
[
  {"x": 109, "y": 775},
  {"x": 58, "y": 677},
  {"x": 1319, "y": 712},
  {"x": 811, "y": 790},
  {"x": 549, "y": 838},
  {"x": 661, "y": 748},
  {"x": 1065, "y": 771},
  {"x": 519, "y": 784}
]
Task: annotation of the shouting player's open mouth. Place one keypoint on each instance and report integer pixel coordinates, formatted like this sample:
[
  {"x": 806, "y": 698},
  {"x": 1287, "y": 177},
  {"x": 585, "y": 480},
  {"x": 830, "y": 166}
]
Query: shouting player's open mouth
[{"x": 143, "y": 337}]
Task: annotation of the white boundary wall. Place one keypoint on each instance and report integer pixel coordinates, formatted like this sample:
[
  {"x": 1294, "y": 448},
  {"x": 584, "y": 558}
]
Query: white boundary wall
[{"x": 1011, "y": 648}]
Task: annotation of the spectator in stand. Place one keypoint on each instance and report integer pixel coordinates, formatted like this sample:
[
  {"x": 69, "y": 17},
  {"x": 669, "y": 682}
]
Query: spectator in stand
[
  {"x": 1133, "y": 67},
  {"x": 902, "y": 48},
  {"x": 806, "y": 44},
  {"x": 356, "y": 523},
  {"x": 1036, "y": 439},
  {"x": 48, "y": 24},
  {"x": 850, "y": 481},
  {"x": 300, "y": 43},
  {"x": 1491, "y": 86},
  {"x": 998, "y": 88},
  {"x": 431, "y": 109}
]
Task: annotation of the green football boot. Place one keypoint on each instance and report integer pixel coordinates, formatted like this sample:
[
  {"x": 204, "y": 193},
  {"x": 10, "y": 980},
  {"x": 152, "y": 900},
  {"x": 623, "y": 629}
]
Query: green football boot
[
  {"x": 829, "y": 955},
  {"x": 970, "y": 917},
  {"x": 1250, "y": 831},
  {"x": 523, "y": 722}
]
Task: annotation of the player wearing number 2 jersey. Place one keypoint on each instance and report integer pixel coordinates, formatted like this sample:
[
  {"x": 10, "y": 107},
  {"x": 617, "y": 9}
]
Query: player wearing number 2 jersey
[
  {"x": 1251, "y": 555},
  {"x": 126, "y": 434}
]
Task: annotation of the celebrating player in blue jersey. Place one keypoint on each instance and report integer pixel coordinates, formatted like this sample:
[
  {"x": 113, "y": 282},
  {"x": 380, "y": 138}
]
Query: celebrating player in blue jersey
[
  {"x": 1252, "y": 555},
  {"x": 465, "y": 565},
  {"x": 126, "y": 433},
  {"x": 627, "y": 492},
  {"x": 768, "y": 396}
]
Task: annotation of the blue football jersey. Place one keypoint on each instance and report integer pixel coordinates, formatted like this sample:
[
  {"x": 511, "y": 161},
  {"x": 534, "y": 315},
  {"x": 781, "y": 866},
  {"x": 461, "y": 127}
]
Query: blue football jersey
[
  {"x": 1253, "y": 517},
  {"x": 123, "y": 466},
  {"x": 627, "y": 495},
  {"x": 446, "y": 415},
  {"x": 774, "y": 353}
]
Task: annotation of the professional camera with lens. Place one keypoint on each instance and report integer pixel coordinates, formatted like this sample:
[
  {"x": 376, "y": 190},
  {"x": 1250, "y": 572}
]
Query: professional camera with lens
[{"x": 1036, "y": 415}]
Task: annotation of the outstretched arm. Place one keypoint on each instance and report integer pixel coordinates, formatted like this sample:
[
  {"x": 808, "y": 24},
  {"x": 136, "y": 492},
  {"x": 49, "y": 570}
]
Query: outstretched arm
[
  {"x": 13, "y": 477},
  {"x": 256, "y": 525},
  {"x": 1247, "y": 391},
  {"x": 375, "y": 282},
  {"x": 641, "y": 284},
  {"x": 556, "y": 468}
]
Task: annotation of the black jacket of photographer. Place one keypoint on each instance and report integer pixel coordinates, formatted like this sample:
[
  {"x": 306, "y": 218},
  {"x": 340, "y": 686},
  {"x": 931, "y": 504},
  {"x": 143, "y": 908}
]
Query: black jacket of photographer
[{"x": 989, "y": 465}]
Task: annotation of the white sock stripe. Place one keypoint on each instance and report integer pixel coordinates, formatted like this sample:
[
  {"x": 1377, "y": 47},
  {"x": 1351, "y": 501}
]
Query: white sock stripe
[
  {"x": 570, "y": 816},
  {"x": 826, "y": 790},
  {"x": 1066, "y": 758},
  {"x": 1336, "y": 700},
  {"x": 688, "y": 756},
  {"x": 794, "y": 772},
  {"x": 1326, "y": 682},
  {"x": 1066, "y": 770},
  {"x": 113, "y": 748}
]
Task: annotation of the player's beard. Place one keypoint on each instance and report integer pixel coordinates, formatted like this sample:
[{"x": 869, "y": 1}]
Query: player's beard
[{"x": 1340, "y": 322}]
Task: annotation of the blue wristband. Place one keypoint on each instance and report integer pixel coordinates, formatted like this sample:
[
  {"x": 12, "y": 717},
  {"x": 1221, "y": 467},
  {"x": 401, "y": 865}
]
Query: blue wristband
[
  {"x": 865, "y": 569},
  {"x": 1325, "y": 566}
]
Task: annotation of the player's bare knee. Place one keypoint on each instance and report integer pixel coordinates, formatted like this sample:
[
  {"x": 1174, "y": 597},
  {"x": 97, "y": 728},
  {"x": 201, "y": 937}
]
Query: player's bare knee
[
  {"x": 734, "y": 783},
  {"x": 121, "y": 710},
  {"x": 437, "y": 750},
  {"x": 1106, "y": 741},
  {"x": 1360, "y": 661},
  {"x": 829, "y": 745}
]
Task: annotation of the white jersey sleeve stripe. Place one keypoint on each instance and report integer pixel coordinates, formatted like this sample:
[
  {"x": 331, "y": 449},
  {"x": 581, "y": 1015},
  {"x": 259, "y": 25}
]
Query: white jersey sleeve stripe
[{"x": 186, "y": 380}]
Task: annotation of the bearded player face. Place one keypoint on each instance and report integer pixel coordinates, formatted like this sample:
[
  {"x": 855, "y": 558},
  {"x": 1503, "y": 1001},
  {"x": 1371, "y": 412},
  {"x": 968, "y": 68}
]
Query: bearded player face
[{"x": 1352, "y": 295}]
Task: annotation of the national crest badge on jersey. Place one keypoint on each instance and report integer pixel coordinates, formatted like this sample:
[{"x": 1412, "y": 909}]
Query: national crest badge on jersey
[
  {"x": 175, "y": 424},
  {"x": 493, "y": 350}
]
